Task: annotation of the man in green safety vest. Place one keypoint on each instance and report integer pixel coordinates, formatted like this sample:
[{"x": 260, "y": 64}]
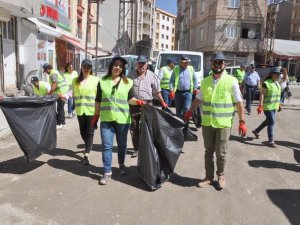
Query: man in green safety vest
[
  {"x": 239, "y": 74},
  {"x": 219, "y": 94},
  {"x": 59, "y": 86},
  {"x": 40, "y": 88},
  {"x": 164, "y": 77}
]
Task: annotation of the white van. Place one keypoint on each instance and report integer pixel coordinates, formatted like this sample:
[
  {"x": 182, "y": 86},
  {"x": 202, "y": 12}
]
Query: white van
[{"x": 196, "y": 61}]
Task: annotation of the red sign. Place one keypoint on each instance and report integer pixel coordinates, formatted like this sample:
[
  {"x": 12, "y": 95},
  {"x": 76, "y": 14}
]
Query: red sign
[{"x": 49, "y": 12}]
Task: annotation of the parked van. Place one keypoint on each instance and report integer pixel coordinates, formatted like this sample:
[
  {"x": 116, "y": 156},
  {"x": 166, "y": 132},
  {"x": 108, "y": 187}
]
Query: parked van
[
  {"x": 103, "y": 64},
  {"x": 195, "y": 57}
]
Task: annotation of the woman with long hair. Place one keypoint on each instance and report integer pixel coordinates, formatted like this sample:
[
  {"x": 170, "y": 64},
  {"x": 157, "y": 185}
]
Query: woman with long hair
[
  {"x": 269, "y": 103},
  {"x": 113, "y": 107},
  {"x": 84, "y": 94},
  {"x": 69, "y": 75}
]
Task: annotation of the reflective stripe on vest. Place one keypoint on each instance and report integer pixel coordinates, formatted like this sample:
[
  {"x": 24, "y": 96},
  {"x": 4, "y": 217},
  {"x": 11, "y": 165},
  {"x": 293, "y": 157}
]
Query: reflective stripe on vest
[
  {"x": 176, "y": 74},
  {"x": 114, "y": 106},
  {"x": 84, "y": 95},
  {"x": 218, "y": 105},
  {"x": 272, "y": 97},
  {"x": 42, "y": 90},
  {"x": 165, "y": 81}
]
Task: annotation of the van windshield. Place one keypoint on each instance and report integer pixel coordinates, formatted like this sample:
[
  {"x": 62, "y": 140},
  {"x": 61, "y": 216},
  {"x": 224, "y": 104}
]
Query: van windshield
[{"x": 195, "y": 60}]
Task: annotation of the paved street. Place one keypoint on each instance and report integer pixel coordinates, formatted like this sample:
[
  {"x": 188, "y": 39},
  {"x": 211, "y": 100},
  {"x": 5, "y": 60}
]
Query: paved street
[{"x": 263, "y": 184}]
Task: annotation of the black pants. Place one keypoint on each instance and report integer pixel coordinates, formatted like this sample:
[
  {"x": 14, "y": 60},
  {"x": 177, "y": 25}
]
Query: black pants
[
  {"x": 86, "y": 131},
  {"x": 250, "y": 94},
  {"x": 136, "y": 113},
  {"x": 60, "y": 116}
]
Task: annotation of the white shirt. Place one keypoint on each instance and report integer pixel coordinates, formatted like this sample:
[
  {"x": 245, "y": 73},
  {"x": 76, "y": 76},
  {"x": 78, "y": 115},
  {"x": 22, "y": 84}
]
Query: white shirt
[{"x": 282, "y": 83}]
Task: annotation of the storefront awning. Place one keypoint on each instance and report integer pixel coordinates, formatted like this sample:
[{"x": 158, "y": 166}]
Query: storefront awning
[
  {"x": 287, "y": 48},
  {"x": 21, "y": 8},
  {"x": 44, "y": 28}
]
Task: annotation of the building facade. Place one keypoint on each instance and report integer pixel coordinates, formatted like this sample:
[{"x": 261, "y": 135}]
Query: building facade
[
  {"x": 164, "y": 38},
  {"x": 235, "y": 27}
]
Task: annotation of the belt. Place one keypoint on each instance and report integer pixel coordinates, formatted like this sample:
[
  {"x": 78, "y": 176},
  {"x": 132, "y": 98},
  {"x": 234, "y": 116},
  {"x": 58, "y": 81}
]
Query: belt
[{"x": 183, "y": 91}]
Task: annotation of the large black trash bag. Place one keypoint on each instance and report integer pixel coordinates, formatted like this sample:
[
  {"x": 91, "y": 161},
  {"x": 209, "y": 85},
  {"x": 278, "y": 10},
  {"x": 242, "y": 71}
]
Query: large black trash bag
[
  {"x": 33, "y": 123},
  {"x": 161, "y": 141}
]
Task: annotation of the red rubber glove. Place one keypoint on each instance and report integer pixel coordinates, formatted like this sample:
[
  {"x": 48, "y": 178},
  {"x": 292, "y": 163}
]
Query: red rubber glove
[
  {"x": 139, "y": 102},
  {"x": 172, "y": 95},
  {"x": 188, "y": 115},
  {"x": 259, "y": 109},
  {"x": 164, "y": 105},
  {"x": 95, "y": 120},
  {"x": 195, "y": 92},
  {"x": 1, "y": 98},
  {"x": 242, "y": 128}
]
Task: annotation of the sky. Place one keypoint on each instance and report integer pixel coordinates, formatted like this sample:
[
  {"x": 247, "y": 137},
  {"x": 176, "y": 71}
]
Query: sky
[{"x": 167, "y": 5}]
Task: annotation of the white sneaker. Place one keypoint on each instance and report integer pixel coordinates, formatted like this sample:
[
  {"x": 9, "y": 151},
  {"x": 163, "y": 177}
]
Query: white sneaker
[
  {"x": 70, "y": 115},
  {"x": 59, "y": 126},
  {"x": 64, "y": 125}
]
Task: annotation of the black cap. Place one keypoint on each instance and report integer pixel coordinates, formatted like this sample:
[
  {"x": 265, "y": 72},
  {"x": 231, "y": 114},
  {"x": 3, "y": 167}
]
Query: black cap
[
  {"x": 86, "y": 62},
  {"x": 218, "y": 56},
  {"x": 171, "y": 61},
  {"x": 46, "y": 66},
  {"x": 252, "y": 66},
  {"x": 118, "y": 57},
  {"x": 184, "y": 58},
  {"x": 276, "y": 69},
  {"x": 142, "y": 59},
  {"x": 34, "y": 79}
]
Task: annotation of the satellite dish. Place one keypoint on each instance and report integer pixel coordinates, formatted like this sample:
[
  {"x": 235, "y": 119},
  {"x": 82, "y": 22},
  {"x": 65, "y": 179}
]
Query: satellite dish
[{"x": 251, "y": 34}]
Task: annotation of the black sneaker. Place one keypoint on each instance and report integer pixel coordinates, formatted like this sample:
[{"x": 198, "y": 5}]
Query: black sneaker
[
  {"x": 134, "y": 154},
  {"x": 123, "y": 170},
  {"x": 85, "y": 161}
]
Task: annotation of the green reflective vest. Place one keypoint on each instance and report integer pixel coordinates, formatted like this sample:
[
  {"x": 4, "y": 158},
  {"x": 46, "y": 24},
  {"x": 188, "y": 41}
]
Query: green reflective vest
[
  {"x": 62, "y": 84},
  {"x": 177, "y": 72},
  {"x": 69, "y": 77},
  {"x": 42, "y": 90},
  {"x": 84, "y": 95},
  {"x": 114, "y": 102},
  {"x": 272, "y": 97},
  {"x": 165, "y": 81},
  {"x": 217, "y": 105},
  {"x": 239, "y": 75}
]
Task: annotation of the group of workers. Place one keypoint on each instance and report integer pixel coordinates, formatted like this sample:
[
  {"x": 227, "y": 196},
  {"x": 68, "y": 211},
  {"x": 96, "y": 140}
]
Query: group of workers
[{"x": 118, "y": 101}]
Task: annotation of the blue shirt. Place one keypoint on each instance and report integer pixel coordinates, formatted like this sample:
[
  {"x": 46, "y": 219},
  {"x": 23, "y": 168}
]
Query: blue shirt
[
  {"x": 184, "y": 83},
  {"x": 252, "y": 78}
]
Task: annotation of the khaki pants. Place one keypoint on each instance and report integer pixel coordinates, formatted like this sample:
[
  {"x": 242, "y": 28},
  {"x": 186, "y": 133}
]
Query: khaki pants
[{"x": 215, "y": 140}]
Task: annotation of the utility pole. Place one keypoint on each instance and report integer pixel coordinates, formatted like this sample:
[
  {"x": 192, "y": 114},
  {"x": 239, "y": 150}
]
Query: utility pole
[{"x": 87, "y": 26}]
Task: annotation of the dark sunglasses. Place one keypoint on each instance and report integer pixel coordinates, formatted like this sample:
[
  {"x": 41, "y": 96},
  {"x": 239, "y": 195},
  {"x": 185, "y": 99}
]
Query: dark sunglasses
[
  {"x": 217, "y": 63},
  {"x": 87, "y": 67}
]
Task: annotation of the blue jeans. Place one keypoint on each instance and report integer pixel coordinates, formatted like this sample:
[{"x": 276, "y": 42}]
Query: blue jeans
[
  {"x": 282, "y": 97},
  {"x": 70, "y": 105},
  {"x": 107, "y": 132},
  {"x": 166, "y": 96},
  {"x": 270, "y": 121},
  {"x": 250, "y": 94},
  {"x": 183, "y": 101}
]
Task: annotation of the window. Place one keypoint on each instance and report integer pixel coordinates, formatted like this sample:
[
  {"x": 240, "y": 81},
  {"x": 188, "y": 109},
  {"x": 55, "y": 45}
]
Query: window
[
  {"x": 162, "y": 36},
  {"x": 173, "y": 22},
  {"x": 167, "y": 37},
  {"x": 8, "y": 29},
  {"x": 157, "y": 35},
  {"x": 163, "y": 17},
  {"x": 202, "y": 7},
  {"x": 157, "y": 16},
  {"x": 156, "y": 45},
  {"x": 162, "y": 45},
  {"x": 167, "y": 46},
  {"x": 167, "y": 27},
  {"x": 163, "y": 26},
  {"x": 233, "y": 3},
  {"x": 231, "y": 31},
  {"x": 173, "y": 30},
  {"x": 201, "y": 34}
]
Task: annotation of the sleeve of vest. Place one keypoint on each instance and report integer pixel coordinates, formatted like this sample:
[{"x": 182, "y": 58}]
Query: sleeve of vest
[{"x": 99, "y": 93}]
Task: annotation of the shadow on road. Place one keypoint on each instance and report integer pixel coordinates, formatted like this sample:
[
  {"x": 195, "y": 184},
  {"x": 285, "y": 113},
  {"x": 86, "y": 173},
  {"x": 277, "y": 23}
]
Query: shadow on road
[
  {"x": 244, "y": 140},
  {"x": 288, "y": 201},
  {"x": 271, "y": 164},
  {"x": 65, "y": 152},
  {"x": 19, "y": 165},
  {"x": 294, "y": 146},
  {"x": 183, "y": 181}
]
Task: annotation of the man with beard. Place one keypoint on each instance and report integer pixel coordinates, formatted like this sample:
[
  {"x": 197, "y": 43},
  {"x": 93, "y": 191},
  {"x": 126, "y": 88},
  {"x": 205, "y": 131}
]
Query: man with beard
[{"x": 219, "y": 93}]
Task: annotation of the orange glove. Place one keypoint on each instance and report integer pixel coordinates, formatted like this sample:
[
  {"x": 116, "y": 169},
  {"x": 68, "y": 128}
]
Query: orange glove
[
  {"x": 259, "y": 109},
  {"x": 95, "y": 120},
  {"x": 195, "y": 92},
  {"x": 188, "y": 115},
  {"x": 242, "y": 128},
  {"x": 139, "y": 102},
  {"x": 164, "y": 105},
  {"x": 1, "y": 98},
  {"x": 172, "y": 95}
]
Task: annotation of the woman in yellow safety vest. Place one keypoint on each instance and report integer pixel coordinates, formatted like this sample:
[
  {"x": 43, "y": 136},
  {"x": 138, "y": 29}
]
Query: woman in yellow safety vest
[
  {"x": 112, "y": 105},
  {"x": 84, "y": 94},
  {"x": 269, "y": 102},
  {"x": 69, "y": 75}
]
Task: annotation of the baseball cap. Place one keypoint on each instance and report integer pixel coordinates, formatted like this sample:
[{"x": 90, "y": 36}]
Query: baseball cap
[
  {"x": 34, "y": 79},
  {"x": 86, "y": 62},
  {"x": 142, "y": 59},
  {"x": 218, "y": 56},
  {"x": 276, "y": 69},
  {"x": 46, "y": 66},
  {"x": 171, "y": 60},
  {"x": 118, "y": 57},
  {"x": 184, "y": 58}
]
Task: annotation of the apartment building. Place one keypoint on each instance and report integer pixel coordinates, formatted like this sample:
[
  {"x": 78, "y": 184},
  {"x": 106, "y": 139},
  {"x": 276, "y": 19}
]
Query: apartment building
[
  {"x": 164, "y": 38},
  {"x": 235, "y": 27}
]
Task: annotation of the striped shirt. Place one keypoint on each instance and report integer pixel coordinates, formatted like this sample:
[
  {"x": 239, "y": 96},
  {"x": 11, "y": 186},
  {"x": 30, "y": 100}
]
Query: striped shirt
[{"x": 144, "y": 86}]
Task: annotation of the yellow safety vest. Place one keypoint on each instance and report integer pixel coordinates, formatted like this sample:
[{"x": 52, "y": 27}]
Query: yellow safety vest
[
  {"x": 165, "y": 81},
  {"x": 62, "y": 83},
  {"x": 114, "y": 102},
  {"x": 84, "y": 95},
  {"x": 176, "y": 74},
  {"x": 217, "y": 105},
  {"x": 272, "y": 97},
  {"x": 42, "y": 90},
  {"x": 239, "y": 75}
]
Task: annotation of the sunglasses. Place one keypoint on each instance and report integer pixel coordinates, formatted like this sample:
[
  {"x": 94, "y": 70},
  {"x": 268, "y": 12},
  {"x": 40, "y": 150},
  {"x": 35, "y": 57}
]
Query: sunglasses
[
  {"x": 217, "y": 63},
  {"x": 86, "y": 67}
]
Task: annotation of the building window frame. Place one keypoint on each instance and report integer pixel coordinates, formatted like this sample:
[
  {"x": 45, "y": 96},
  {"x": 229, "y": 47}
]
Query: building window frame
[
  {"x": 231, "y": 32},
  {"x": 234, "y": 4}
]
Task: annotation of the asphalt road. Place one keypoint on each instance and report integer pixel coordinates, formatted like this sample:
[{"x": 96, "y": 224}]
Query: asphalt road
[{"x": 263, "y": 184}]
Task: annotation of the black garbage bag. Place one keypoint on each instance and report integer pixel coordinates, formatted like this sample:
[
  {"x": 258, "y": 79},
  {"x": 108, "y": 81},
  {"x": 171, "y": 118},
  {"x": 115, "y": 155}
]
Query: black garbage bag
[
  {"x": 161, "y": 141},
  {"x": 33, "y": 123}
]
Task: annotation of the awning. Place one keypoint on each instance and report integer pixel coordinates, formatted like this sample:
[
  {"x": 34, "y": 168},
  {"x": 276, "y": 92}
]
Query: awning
[
  {"x": 44, "y": 28},
  {"x": 21, "y": 8},
  {"x": 286, "y": 48}
]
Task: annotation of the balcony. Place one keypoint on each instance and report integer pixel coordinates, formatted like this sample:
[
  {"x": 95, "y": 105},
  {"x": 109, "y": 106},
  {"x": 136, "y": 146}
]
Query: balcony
[
  {"x": 147, "y": 10},
  {"x": 249, "y": 45},
  {"x": 146, "y": 20}
]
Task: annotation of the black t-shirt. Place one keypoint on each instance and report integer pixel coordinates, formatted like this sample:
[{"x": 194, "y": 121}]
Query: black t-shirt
[{"x": 99, "y": 92}]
